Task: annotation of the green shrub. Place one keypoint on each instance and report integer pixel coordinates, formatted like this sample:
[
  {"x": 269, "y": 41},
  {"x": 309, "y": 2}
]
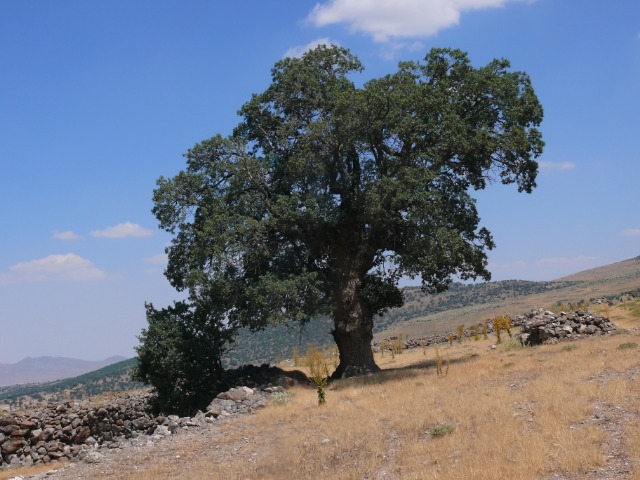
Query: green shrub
[
  {"x": 180, "y": 355},
  {"x": 442, "y": 429},
  {"x": 627, "y": 345}
]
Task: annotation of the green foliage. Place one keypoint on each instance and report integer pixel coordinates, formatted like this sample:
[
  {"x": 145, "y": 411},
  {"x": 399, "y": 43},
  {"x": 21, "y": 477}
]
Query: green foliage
[
  {"x": 569, "y": 347},
  {"x": 326, "y": 193},
  {"x": 627, "y": 345},
  {"x": 442, "y": 429},
  {"x": 180, "y": 356}
]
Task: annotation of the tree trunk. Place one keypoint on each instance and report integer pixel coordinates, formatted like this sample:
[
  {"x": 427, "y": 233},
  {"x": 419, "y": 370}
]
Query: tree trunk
[
  {"x": 353, "y": 332},
  {"x": 356, "y": 356}
]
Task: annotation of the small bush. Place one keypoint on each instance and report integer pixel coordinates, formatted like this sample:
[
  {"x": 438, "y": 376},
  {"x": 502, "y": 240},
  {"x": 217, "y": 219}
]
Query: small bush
[
  {"x": 442, "y": 364},
  {"x": 627, "y": 345},
  {"x": 318, "y": 366},
  {"x": 281, "y": 398},
  {"x": 460, "y": 332},
  {"x": 619, "y": 331},
  {"x": 513, "y": 344},
  {"x": 442, "y": 429},
  {"x": 568, "y": 348}
]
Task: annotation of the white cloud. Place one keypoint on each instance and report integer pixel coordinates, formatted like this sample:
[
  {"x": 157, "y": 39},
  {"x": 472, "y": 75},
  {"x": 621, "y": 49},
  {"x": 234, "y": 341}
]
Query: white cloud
[
  {"x": 122, "y": 230},
  {"x": 68, "y": 235},
  {"x": 555, "y": 166},
  {"x": 67, "y": 267},
  {"x": 159, "y": 259},
  {"x": 298, "y": 51},
  {"x": 631, "y": 232},
  {"x": 388, "y": 19}
]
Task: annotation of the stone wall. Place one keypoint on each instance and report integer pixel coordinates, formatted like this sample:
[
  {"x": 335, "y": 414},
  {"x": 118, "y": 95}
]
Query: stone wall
[
  {"x": 543, "y": 326},
  {"x": 76, "y": 430},
  {"x": 536, "y": 327}
]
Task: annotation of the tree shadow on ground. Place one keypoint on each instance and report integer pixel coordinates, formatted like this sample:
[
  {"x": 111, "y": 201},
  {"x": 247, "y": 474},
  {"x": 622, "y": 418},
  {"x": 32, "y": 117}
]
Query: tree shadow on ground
[{"x": 399, "y": 373}]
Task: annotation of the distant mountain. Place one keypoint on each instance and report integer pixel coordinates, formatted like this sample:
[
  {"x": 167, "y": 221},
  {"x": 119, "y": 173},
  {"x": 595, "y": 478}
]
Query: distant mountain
[
  {"x": 112, "y": 378},
  {"x": 47, "y": 369}
]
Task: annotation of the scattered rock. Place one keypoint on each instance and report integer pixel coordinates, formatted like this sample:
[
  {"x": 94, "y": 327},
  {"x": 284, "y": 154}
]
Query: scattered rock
[
  {"x": 542, "y": 326},
  {"x": 93, "y": 457},
  {"x": 77, "y": 430}
]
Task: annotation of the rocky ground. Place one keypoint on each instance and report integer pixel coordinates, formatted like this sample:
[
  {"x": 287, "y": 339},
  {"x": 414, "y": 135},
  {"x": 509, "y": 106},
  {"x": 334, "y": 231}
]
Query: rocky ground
[
  {"x": 93, "y": 437},
  {"x": 224, "y": 431},
  {"x": 125, "y": 459}
]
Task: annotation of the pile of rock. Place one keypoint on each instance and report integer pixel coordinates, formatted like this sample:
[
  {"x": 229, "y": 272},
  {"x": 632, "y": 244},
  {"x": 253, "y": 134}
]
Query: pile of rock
[
  {"x": 75, "y": 429},
  {"x": 543, "y": 326}
]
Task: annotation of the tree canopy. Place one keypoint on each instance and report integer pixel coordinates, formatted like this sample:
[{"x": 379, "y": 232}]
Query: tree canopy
[{"x": 327, "y": 193}]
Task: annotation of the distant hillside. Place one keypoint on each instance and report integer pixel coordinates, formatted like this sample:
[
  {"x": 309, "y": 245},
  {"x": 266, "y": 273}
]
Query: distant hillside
[
  {"x": 608, "y": 281},
  {"x": 46, "y": 369},
  {"x": 626, "y": 269},
  {"x": 462, "y": 304},
  {"x": 112, "y": 378},
  {"x": 279, "y": 341}
]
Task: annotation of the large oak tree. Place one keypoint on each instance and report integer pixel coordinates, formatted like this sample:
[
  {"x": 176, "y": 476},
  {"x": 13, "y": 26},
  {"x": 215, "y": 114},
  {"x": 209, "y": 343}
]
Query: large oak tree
[{"x": 327, "y": 193}]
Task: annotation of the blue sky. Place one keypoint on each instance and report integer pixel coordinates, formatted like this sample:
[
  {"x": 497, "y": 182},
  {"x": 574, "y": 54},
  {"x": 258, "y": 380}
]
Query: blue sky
[{"x": 99, "y": 99}]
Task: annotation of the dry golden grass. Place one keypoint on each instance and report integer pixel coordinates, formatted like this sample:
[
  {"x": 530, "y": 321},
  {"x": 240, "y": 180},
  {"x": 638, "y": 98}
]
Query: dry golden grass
[
  {"x": 524, "y": 413},
  {"x": 569, "y": 409}
]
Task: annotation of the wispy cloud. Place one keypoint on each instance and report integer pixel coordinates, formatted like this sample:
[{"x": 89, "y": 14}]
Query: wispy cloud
[
  {"x": 68, "y": 235},
  {"x": 385, "y": 20},
  {"x": 631, "y": 232},
  {"x": 556, "y": 166},
  {"x": 298, "y": 51},
  {"x": 66, "y": 267},
  {"x": 122, "y": 230}
]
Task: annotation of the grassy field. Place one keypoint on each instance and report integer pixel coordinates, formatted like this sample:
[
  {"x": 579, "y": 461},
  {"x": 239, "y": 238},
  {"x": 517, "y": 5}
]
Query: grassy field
[
  {"x": 569, "y": 411},
  {"x": 564, "y": 411}
]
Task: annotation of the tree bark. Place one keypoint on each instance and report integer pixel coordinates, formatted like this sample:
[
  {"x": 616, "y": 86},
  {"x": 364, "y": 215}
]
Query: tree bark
[{"x": 353, "y": 332}]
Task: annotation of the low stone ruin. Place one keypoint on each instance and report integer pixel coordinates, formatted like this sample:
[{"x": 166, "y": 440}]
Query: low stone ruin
[
  {"x": 542, "y": 326},
  {"x": 78, "y": 430}
]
